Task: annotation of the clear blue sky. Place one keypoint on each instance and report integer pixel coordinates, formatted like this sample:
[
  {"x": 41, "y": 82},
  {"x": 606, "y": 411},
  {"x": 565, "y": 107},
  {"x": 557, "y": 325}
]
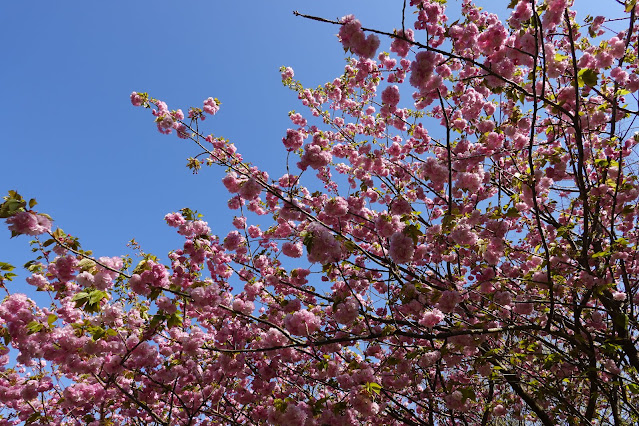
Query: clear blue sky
[{"x": 96, "y": 164}]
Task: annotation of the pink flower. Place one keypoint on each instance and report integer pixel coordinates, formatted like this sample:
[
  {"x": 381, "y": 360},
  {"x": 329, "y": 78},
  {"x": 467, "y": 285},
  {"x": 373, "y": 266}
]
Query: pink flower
[
  {"x": 429, "y": 358},
  {"x": 29, "y": 223},
  {"x": 400, "y": 206},
  {"x": 470, "y": 181},
  {"x": 402, "y": 248},
  {"x": 174, "y": 219},
  {"x": 250, "y": 189},
  {"x": 448, "y": 300},
  {"x": 619, "y": 296},
  {"x": 321, "y": 245},
  {"x": 619, "y": 75},
  {"x": 522, "y": 307},
  {"x": 254, "y": 231},
  {"x": 336, "y": 207},
  {"x": 390, "y": 96},
  {"x": 354, "y": 39},
  {"x": 211, "y": 106},
  {"x": 422, "y": 69},
  {"x": 431, "y": 318},
  {"x": 522, "y": 12},
  {"x": 39, "y": 281},
  {"x": 464, "y": 235},
  {"x": 194, "y": 228},
  {"x": 617, "y": 47},
  {"x": 287, "y": 73},
  {"x": 233, "y": 240},
  {"x": 243, "y": 306},
  {"x": 499, "y": 410},
  {"x": 166, "y": 304},
  {"x": 314, "y": 156},
  {"x": 239, "y": 222},
  {"x": 402, "y": 47},
  {"x": 347, "y": 311},
  {"x": 302, "y": 323},
  {"x": 436, "y": 172},
  {"x": 286, "y": 181},
  {"x": 293, "y": 140},
  {"x": 503, "y": 298},
  {"x": 138, "y": 286},
  {"x": 387, "y": 225},
  {"x": 231, "y": 182},
  {"x": 350, "y": 26},
  {"x": 292, "y": 249},
  {"x": 455, "y": 401},
  {"x": 85, "y": 279},
  {"x": 273, "y": 337},
  {"x": 136, "y": 99}
]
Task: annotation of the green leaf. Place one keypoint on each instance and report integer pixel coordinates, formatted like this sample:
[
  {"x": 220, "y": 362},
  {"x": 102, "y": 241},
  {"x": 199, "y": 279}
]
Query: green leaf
[
  {"x": 80, "y": 298},
  {"x": 351, "y": 246},
  {"x": 414, "y": 232},
  {"x": 13, "y": 204},
  {"x": 33, "y": 418},
  {"x": 174, "y": 320},
  {"x": 622, "y": 241},
  {"x": 512, "y": 212},
  {"x": 6, "y": 336},
  {"x": 86, "y": 264},
  {"x": 280, "y": 405},
  {"x": 48, "y": 242},
  {"x": 9, "y": 276},
  {"x": 551, "y": 360},
  {"x": 340, "y": 407},
  {"x": 96, "y": 296},
  {"x": 468, "y": 393},
  {"x": 307, "y": 239},
  {"x": 610, "y": 348},
  {"x": 372, "y": 387},
  {"x": 392, "y": 361},
  {"x": 156, "y": 320},
  {"x": 319, "y": 406},
  {"x": 447, "y": 221},
  {"x": 34, "y": 327},
  {"x": 98, "y": 333},
  {"x": 621, "y": 321},
  {"x": 155, "y": 292},
  {"x": 588, "y": 76},
  {"x": 6, "y": 266},
  {"x": 600, "y": 254},
  {"x": 51, "y": 319}
]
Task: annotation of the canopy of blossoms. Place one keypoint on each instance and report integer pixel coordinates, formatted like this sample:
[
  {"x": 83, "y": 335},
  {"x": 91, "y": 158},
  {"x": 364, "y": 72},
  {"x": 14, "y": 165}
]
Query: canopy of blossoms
[{"x": 455, "y": 242}]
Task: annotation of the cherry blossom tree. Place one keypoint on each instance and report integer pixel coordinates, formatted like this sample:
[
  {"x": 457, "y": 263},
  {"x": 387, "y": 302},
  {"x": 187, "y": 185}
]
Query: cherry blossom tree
[{"x": 455, "y": 242}]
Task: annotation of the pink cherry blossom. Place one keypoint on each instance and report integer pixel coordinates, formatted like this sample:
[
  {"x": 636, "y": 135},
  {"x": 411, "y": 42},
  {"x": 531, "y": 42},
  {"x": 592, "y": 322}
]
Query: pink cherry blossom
[
  {"x": 431, "y": 318},
  {"x": 401, "y": 248},
  {"x": 29, "y": 223},
  {"x": 302, "y": 323}
]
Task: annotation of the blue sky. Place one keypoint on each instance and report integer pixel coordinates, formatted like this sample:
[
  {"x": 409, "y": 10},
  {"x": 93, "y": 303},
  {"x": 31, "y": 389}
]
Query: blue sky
[{"x": 95, "y": 163}]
